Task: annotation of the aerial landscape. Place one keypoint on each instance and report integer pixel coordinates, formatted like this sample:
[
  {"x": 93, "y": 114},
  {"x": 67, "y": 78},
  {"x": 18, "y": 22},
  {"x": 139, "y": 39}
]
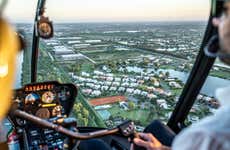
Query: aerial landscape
[{"x": 125, "y": 71}]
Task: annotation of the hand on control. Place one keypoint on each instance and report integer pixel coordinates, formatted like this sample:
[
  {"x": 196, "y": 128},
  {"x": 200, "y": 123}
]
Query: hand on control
[{"x": 149, "y": 142}]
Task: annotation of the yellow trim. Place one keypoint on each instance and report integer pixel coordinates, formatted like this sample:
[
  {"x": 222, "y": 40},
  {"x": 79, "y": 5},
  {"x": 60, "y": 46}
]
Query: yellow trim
[{"x": 49, "y": 105}]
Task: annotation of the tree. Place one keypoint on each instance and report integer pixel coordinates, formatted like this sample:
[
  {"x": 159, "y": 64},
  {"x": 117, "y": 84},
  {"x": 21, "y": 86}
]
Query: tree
[
  {"x": 77, "y": 108},
  {"x": 131, "y": 105},
  {"x": 85, "y": 121},
  {"x": 85, "y": 113},
  {"x": 167, "y": 74},
  {"x": 146, "y": 61}
]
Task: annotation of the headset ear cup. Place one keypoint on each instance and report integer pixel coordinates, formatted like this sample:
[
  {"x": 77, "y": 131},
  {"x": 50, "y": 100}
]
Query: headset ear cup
[{"x": 9, "y": 45}]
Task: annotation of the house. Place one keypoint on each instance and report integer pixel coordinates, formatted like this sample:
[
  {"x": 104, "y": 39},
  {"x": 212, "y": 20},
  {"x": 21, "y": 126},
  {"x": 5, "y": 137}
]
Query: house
[
  {"x": 88, "y": 80},
  {"x": 109, "y": 75},
  {"x": 71, "y": 74},
  {"x": 117, "y": 79},
  {"x": 100, "y": 82},
  {"x": 81, "y": 84},
  {"x": 159, "y": 90},
  {"x": 130, "y": 90},
  {"x": 150, "y": 89},
  {"x": 113, "y": 88},
  {"x": 98, "y": 72},
  {"x": 125, "y": 84},
  {"x": 104, "y": 88},
  {"x": 71, "y": 57},
  {"x": 144, "y": 93},
  {"x": 162, "y": 103},
  {"x": 170, "y": 79},
  {"x": 121, "y": 69},
  {"x": 161, "y": 76},
  {"x": 105, "y": 68},
  {"x": 132, "y": 80},
  {"x": 156, "y": 83},
  {"x": 115, "y": 83},
  {"x": 133, "y": 85},
  {"x": 87, "y": 91},
  {"x": 81, "y": 79},
  {"x": 121, "y": 89},
  {"x": 96, "y": 93},
  {"x": 125, "y": 80},
  {"x": 168, "y": 93},
  {"x": 146, "y": 78},
  {"x": 85, "y": 74},
  {"x": 109, "y": 79},
  {"x": 124, "y": 105},
  {"x": 94, "y": 81},
  {"x": 137, "y": 92},
  {"x": 96, "y": 87},
  {"x": 62, "y": 50},
  {"x": 108, "y": 83},
  {"x": 175, "y": 85},
  {"x": 140, "y": 81},
  {"x": 151, "y": 96},
  {"x": 89, "y": 85},
  {"x": 95, "y": 77}
]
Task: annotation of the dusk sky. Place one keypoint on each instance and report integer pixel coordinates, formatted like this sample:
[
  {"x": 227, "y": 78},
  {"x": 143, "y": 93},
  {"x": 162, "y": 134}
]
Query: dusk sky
[{"x": 111, "y": 10}]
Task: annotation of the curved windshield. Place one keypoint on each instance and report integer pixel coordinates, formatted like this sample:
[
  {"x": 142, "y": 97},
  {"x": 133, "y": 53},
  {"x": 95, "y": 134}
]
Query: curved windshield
[{"x": 129, "y": 59}]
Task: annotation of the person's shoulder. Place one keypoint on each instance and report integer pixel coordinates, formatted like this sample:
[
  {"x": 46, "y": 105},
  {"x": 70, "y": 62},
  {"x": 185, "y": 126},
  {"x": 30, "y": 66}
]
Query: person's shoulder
[
  {"x": 202, "y": 139},
  {"x": 220, "y": 120}
]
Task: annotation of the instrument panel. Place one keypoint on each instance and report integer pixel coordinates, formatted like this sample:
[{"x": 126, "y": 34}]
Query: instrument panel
[{"x": 46, "y": 100}]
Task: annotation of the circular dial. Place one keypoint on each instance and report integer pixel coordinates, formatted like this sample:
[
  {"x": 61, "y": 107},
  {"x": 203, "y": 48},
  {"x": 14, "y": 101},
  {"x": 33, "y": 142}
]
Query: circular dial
[
  {"x": 48, "y": 97},
  {"x": 64, "y": 94},
  {"x": 31, "y": 99},
  {"x": 57, "y": 111},
  {"x": 43, "y": 113}
]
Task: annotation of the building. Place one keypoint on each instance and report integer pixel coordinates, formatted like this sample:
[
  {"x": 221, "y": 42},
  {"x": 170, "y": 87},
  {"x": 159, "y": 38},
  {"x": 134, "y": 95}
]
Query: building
[{"x": 71, "y": 57}]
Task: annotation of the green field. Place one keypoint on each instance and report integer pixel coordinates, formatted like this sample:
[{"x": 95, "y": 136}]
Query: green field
[{"x": 135, "y": 115}]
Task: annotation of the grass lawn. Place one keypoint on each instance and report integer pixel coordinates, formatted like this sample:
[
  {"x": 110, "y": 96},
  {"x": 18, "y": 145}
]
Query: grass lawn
[
  {"x": 86, "y": 67},
  {"x": 135, "y": 115},
  {"x": 115, "y": 55}
]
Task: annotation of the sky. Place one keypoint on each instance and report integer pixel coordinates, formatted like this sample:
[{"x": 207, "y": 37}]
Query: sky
[{"x": 111, "y": 10}]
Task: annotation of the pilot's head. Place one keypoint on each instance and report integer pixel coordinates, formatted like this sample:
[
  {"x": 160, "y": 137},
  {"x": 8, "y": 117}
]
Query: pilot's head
[
  {"x": 9, "y": 45},
  {"x": 223, "y": 24}
]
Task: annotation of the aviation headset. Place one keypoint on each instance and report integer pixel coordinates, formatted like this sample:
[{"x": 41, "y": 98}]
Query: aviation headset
[{"x": 9, "y": 46}]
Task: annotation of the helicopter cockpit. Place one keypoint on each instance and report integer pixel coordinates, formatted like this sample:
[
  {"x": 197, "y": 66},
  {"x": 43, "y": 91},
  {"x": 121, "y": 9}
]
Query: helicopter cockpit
[{"x": 108, "y": 79}]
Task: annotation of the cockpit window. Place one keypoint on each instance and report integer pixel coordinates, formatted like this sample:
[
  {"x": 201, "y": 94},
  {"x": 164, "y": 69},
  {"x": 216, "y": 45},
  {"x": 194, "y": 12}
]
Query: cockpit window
[
  {"x": 130, "y": 59},
  {"x": 21, "y": 18},
  {"x": 207, "y": 102}
]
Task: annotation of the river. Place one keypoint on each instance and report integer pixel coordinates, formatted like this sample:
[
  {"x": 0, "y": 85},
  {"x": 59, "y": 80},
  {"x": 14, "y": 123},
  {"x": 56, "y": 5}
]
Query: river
[{"x": 209, "y": 88}]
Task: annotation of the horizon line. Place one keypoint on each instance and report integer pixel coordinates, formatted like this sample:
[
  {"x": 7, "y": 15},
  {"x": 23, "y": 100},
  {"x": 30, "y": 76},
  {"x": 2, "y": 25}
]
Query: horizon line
[{"x": 121, "y": 21}]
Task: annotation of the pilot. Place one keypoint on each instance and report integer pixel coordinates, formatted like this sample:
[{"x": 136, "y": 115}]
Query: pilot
[{"x": 211, "y": 133}]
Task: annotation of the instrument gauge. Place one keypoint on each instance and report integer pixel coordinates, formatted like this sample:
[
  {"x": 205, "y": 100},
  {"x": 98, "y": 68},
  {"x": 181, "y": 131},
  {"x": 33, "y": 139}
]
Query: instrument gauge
[
  {"x": 57, "y": 111},
  {"x": 43, "y": 113},
  {"x": 31, "y": 99},
  {"x": 48, "y": 97}
]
